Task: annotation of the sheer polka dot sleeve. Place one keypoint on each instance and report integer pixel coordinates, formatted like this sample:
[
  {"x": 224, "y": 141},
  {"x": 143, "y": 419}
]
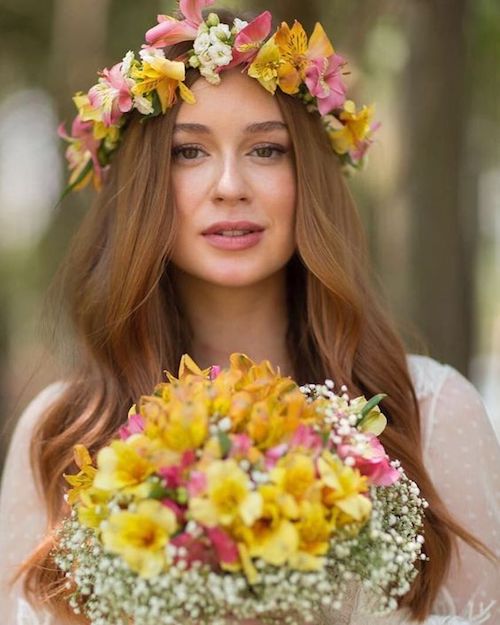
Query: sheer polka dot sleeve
[
  {"x": 463, "y": 456},
  {"x": 22, "y": 515}
]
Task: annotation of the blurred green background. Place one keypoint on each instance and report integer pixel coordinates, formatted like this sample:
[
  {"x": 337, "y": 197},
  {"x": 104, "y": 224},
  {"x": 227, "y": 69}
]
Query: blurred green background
[{"x": 430, "y": 194}]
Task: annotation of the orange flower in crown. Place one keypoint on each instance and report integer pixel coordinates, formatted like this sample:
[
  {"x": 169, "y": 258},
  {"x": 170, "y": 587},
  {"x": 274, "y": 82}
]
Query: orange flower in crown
[{"x": 151, "y": 83}]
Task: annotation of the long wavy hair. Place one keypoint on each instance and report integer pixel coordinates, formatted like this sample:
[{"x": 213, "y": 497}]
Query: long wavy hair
[{"x": 128, "y": 325}]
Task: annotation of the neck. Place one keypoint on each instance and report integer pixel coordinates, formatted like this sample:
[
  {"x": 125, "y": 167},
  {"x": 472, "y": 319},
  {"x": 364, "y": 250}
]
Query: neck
[{"x": 252, "y": 320}]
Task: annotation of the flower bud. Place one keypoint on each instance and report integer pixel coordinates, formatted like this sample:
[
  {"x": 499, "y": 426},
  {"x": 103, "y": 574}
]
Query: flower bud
[{"x": 212, "y": 20}]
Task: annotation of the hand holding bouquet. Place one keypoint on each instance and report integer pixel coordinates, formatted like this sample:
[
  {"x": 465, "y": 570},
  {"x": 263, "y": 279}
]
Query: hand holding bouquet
[{"x": 237, "y": 493}]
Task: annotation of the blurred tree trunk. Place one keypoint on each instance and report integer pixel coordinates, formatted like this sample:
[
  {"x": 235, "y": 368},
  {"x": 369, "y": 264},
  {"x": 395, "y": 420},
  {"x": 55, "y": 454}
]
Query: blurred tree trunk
[
  {"x": 442, "y": 256},
  {"x": 79, "y": 38}
]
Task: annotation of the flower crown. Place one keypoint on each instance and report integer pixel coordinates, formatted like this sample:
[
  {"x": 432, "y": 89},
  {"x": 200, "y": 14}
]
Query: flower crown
[{"x": 309, "y": 69}]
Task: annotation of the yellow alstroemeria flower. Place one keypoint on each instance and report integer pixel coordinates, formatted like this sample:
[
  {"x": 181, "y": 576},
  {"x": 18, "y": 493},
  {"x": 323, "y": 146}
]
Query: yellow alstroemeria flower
[
  {"x": 140, "y": 536},
  {"x": 374, "y": 422},
  {"x": 188, "y": 367},
  {"x": 266, "y": 64},
  {"x": 93, "y": 508},
  {"x": 315, "y": 530},
  {"x": 83, "y": 480},
  {"x": 296, "y": 53},
  {"x": 344, "y": 488},
  {"x": 180, "y": 423},
  {"x": 88, "y": 113},
  {"x": 229, "y": 497},
  {"x": 121, "y": 467},
  {"x": 164, "y": 76},
  {"x": 273, "y": 537},
  {"x": 356, "y": 127},
  {"x": 295, "y": 474}
]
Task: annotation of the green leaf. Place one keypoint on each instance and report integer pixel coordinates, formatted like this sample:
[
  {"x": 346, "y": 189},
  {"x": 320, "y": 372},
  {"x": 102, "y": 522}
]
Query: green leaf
[
  {"x": 158, "y": 491},
  {"x": 225, "y": 443},
  {"x": 370, "y": 405},
  {"x": 81, "y": 177}
]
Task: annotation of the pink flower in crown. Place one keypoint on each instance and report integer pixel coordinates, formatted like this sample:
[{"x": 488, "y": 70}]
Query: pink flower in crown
[
  {"x": 250, "y": 39},
  {"x": 113, "y": 93},
  {"x": 371, "y": 460},
  {"x": 170, "y": 31},
  {"x": 324, "y": 81},
  {"x": 83, "y": 147},
  {"x": 135, "y": 425},
  {"x": 358, "y": 153}
]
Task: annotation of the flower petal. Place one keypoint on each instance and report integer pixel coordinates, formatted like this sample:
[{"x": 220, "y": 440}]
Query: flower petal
[
  {"x": 319, "y": 44},
  {"x": 191, "y": 9},
  {"x": 170, "y": 32}
]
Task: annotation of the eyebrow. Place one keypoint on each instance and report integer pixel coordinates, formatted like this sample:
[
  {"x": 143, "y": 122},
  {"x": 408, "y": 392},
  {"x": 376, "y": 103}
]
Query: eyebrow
[{"x": 251, "y": 128}]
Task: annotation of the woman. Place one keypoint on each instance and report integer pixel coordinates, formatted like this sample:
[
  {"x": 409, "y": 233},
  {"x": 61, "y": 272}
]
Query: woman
[{"x": 226, "y": 226}]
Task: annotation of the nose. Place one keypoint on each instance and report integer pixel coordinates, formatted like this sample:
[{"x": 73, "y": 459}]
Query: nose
[{"x": 230, "y": 186}]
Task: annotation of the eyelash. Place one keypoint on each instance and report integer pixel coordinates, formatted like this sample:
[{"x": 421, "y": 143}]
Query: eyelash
[{"x": 178, "y": 151}]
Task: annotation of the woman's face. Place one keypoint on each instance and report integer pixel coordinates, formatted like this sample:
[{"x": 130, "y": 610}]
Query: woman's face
[{"x": 234, "y": 187}]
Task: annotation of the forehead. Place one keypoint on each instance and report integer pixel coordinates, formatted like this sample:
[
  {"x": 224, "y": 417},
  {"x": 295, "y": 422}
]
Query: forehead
[{"x": 237, "y": 97}]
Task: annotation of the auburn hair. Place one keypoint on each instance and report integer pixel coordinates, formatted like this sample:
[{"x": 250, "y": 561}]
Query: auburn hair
[{"x": 128, "y": 326}]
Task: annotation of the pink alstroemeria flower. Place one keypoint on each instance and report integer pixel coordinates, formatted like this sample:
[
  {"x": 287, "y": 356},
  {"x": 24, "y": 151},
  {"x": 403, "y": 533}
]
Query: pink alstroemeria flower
[
  {"x": 360, "y": 150},
  {"x": 83, "y": 146},
  {"x": 225, "y": 547},
  {"x": 305, "y": 438},
  {"x": 324, "y": 81},
  {"x": 176, "y": 509},
  {"x": 249, "y": 40},
  {"x": 197, "y": 483},
  {"x": 172, "y": 475},
  {"x": 170, "y": 31},
  {"x": 112, "y": 94},
  {"x": 135, "y": 425},
  {"x": 197, "y": 550},
  {"x": 274, "y": 454},
  {"x": 240, "y": 445},
  {"x": 214, "y": 371},
  {"x": 372, "y": 461}
]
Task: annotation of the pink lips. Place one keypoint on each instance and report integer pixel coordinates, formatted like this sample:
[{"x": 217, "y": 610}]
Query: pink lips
[{"x": 253, "y": 234}]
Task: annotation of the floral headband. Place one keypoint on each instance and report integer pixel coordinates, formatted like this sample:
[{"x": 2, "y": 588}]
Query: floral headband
[{"x": 306, "y": 68}]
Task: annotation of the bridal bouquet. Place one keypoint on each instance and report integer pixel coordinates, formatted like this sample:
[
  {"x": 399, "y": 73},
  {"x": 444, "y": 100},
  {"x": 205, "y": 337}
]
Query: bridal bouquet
[{"x": 234, "y": 494}]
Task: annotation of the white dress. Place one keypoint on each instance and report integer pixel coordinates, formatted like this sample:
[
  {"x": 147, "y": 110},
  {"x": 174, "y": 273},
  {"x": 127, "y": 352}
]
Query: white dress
[{"x": 460, "y": 451}]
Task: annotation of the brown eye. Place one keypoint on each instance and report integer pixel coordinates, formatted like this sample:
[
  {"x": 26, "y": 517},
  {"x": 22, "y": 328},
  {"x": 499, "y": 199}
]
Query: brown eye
[
  {"x": 187, "y": 152},
  {"x": 268, "y": 151}
]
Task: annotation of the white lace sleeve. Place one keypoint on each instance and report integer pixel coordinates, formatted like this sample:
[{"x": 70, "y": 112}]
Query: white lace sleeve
[
  {"x": 463, "y": 456},
  {"x": 22, "y": 515}
]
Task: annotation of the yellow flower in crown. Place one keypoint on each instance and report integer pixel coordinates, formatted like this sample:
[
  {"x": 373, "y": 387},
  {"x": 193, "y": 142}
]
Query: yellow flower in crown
[
  {"x": 265, "y": 67},
  {"x": 139, "y": 536},
  {"x": 356, "y": 128},
  {"x": 88, "y": 113},
  {"x": 297, "y": 54},
  {"x": 228, "y": 497},
  {"x": 159, "y": 74}
]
